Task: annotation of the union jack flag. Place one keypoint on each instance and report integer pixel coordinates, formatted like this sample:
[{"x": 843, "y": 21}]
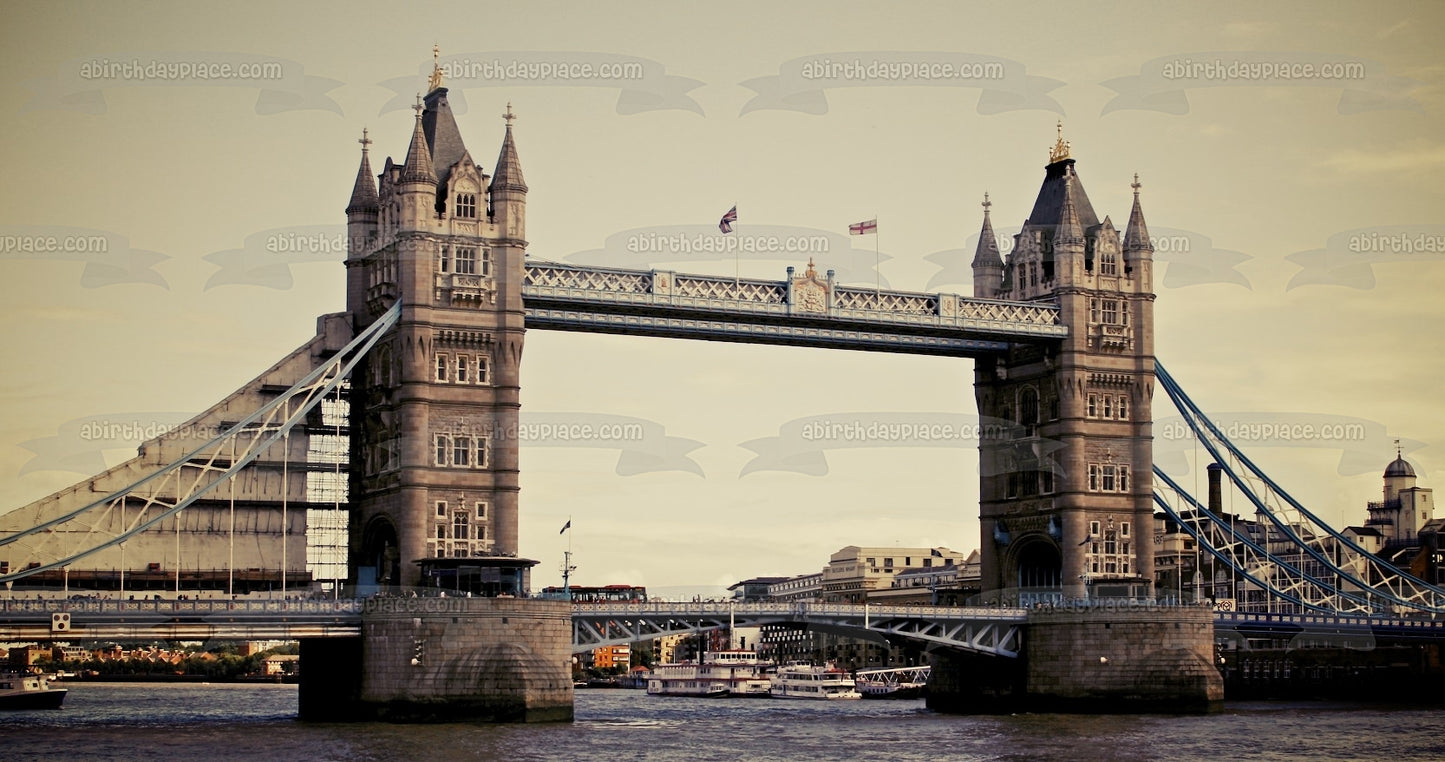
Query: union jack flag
[
  {"x": 864, "y": 228},
  {"x": 726, "y": 224}
]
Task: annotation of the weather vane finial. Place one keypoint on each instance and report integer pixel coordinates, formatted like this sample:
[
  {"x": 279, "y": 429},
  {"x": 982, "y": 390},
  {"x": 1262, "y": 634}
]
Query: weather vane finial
[
  {"x": 418, "y": 108},
  {"x": 1061, "y": 146},
  {"x": 1135, "y": 185},
  {"x": 365, "y": 141},
  {"x": 435, "y": 80},
  {"x": 986, "y": 203},
  {"x": 509, "y": 116}
]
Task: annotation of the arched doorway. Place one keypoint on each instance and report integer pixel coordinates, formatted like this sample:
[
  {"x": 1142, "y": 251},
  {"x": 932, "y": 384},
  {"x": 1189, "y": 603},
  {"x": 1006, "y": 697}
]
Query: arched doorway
[
  {"x": 1039, "y": 570},
  {"x": 380, "y": 562}
]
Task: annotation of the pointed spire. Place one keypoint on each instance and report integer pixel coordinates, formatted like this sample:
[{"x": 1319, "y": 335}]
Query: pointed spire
[
  {"x": 987, "y": 253},
  {"x": 1136, "y": 234},
  {"x": 418, "y": 166},
  {"x": 508, "y": 175},
  {"x": 1069, "y": 231},
  {"x": 363, "y": 193}
]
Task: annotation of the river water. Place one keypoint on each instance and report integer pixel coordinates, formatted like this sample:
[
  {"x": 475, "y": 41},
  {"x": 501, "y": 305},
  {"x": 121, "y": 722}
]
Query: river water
[{"x": 224, "y": 721}]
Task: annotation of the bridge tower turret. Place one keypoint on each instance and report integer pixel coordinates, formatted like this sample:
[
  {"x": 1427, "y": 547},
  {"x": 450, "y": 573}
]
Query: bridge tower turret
[
  {"x": 987, "y": 262},
  {"x": 435, "y": 409},
  {"x": 1065, "y": 488}
]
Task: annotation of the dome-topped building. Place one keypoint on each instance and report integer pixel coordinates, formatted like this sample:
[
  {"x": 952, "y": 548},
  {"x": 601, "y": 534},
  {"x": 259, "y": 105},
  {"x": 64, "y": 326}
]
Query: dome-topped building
[
  {"x": 1397, "y": 519},
  {"x": 1399, "y": 467}
]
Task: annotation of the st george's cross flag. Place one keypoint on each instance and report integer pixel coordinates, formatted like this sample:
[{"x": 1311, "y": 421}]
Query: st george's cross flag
[
  {"x": 726, "y": 224},
  {"x": 864, "y": 228}
]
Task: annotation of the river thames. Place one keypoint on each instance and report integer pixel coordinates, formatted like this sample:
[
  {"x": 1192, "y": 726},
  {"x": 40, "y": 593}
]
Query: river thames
[{"x": 228, "y": 721}]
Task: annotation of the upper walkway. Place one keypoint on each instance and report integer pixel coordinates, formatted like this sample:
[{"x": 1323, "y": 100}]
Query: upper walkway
[{"x": 806, "y": 311}]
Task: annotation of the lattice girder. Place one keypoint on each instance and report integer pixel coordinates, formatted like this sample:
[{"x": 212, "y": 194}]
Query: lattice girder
[{"x": 169, "y": 490}]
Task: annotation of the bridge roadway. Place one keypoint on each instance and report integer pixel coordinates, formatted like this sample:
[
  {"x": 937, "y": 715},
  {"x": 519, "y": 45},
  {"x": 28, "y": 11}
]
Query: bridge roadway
[
  {"x": 992, "y": 630},
  {"x": 988, "y": 630}
]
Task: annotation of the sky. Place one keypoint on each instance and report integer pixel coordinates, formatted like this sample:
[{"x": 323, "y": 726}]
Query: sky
[{"x": 1289, "y": 156}]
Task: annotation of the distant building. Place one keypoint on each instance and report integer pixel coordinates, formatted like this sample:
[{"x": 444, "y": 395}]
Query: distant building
[
  {"x": 804, "y": 587},
  {"x": 1401, "y": 516},
  {"x": 664, "y": 649},
  {"x": 609, "y": 657},
  {"x": 282, "y": 664},
  {"x": 854, "y": 572},
  {"x": 950, "y": 584},
  {"x": 23, "y": 657}
]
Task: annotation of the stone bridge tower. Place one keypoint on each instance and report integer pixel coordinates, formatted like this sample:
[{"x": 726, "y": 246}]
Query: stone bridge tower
[
  {"x": 435, "y": 409},
  {"x": 1065, "y": 487}
]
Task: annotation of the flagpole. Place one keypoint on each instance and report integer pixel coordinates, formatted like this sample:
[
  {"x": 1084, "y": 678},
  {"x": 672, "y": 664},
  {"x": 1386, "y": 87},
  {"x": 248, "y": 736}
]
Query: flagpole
[
  {"x": 737, "y": 266},
  {"x": 877, "y": 264},
  {"x": 567, "y": 566}
]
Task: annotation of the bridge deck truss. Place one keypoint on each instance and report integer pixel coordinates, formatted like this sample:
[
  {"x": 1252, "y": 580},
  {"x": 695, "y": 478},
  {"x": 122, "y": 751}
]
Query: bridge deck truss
[{"x": 994, "y": 631}]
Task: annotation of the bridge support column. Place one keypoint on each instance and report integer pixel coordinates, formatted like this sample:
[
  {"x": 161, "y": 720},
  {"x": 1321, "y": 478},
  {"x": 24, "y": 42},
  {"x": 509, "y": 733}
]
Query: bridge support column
[
  {"x": 1149, "y": 659},
  {"x": 466, "y": 659},
  {"x": 445, "y": 660},
  {"x": 1090, "y": 661}
]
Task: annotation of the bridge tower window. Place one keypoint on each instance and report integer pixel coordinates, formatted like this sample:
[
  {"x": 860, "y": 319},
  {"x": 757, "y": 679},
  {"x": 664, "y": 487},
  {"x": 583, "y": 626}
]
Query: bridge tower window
[
  {"x": 466, "y": 257},
  {"x": 467, "y": 205},
  {"x": 1029, "y": 410},
  {"x": 443, "y": 446},
  {"x": 464, "y": 364},
  {"x": 443, "y": 369}
]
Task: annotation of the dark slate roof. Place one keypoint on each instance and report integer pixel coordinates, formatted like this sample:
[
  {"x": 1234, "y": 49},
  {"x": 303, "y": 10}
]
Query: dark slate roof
[
  {"x": 1048, "y": 207},
  {"x": 363, "y": 193},
  {"x": 418, "y": 166},
  {"x": 1364, "y": 531},
  {"x": 987, "y": 252},
  {"x": 509, "y": 168},
  {"x": 442, "y": 135},
  {"x": 1136, "y": 234},
  {"x": 1399, "y": 467}
]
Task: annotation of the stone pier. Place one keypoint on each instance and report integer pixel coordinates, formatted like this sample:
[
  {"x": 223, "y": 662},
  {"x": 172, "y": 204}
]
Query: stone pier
[
  {"x": 1145, "y": 659},
  {"x": 444, "y": 660}
]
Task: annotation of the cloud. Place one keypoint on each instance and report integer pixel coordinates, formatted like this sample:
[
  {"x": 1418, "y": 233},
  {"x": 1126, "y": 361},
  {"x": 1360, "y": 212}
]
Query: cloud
[{"x": 1418, "y": 157}]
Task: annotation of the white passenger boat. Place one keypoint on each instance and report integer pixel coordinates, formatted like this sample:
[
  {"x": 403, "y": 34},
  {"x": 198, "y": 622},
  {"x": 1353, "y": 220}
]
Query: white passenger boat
[
  {"x": 721, "y": 674},
  {"x": 809, "y": 681},
  {"x": 19, "y": 690}
]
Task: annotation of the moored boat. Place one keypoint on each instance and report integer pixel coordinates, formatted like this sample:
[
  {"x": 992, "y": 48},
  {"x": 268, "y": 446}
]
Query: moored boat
[
  {"x": 721, "y": 674},
  {"x": 809, "y": 681},
  {"x": 20, "y": 690}
]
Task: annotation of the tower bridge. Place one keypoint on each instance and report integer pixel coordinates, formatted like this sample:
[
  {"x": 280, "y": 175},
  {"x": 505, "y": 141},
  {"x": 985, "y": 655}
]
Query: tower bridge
[{"x": 386, "y": 418}]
